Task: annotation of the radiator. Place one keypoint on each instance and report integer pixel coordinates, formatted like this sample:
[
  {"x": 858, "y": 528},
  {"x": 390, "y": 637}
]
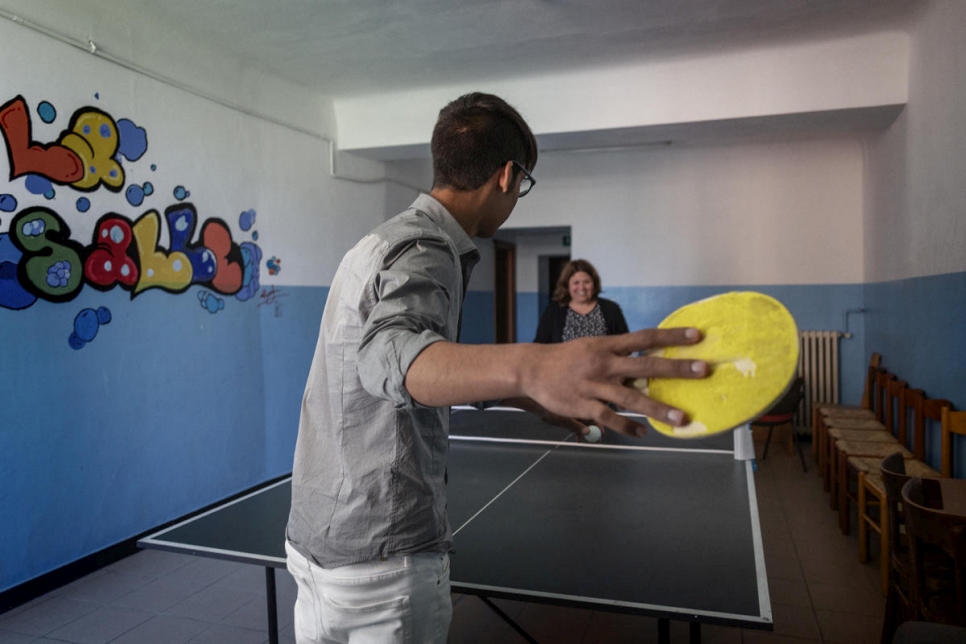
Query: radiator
[{"x": 818, "y": 363}]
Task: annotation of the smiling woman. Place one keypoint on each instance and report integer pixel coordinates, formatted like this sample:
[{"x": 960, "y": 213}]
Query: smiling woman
[{"x": 577, "y": 310}]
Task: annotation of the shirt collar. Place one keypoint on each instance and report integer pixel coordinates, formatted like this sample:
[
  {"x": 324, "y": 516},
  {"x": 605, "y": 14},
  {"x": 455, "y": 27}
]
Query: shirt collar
[{"x": 442, "y": 218}]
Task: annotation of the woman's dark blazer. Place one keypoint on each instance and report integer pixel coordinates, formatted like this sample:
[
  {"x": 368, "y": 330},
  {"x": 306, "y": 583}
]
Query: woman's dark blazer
[{"x": 551, "y": 325}]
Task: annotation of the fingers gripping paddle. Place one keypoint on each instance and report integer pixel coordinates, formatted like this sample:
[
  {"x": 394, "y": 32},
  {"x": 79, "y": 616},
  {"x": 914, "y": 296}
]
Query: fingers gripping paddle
[{"x": 751, "y": 344}]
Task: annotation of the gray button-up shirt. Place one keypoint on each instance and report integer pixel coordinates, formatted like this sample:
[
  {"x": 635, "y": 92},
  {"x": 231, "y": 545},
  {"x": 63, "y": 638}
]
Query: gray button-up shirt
[{"x": 369, "y": 474}]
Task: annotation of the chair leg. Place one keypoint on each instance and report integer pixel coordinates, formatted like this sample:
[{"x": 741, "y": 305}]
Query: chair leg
[
  {"x": 799, "y": 446},
  {"x": 816, "y": 415},
  {"x": 823, "y": 454},
  {"x": 764, "y": 454},
  {"x": 863, "y": 528},
  {"x": 885, "y": 556},
  {"x": 891, "y": 621},
  {"x": 818, "y": 442},
  {"x": 831, "y": 468},
  {"x": 842, "y": 487}
]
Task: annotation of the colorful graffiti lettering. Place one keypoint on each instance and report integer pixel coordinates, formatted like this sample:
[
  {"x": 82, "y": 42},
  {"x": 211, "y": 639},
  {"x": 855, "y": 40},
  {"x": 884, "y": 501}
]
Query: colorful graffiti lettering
[
  {"x": 54, "y": 267},
  {"x": 39, "y": 258},
  {"x": 93, "y": 138},
  {"x": 56, "y": 162},
  {"x": 51, "y": 263}
]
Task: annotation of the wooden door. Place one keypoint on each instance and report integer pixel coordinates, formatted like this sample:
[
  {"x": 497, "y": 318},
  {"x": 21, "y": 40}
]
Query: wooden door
[{"x": 505, "y": 291}]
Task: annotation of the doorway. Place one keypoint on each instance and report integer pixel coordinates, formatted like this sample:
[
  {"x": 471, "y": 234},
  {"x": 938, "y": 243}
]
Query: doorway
[
  {"x": 522, "y": 273},
  {"x": 505, "y": 291},
  {"x": 555, "y": 266}
]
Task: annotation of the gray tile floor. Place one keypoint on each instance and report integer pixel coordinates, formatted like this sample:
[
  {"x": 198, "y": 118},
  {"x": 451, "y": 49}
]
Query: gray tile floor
[{"x": 819, "y": 591}]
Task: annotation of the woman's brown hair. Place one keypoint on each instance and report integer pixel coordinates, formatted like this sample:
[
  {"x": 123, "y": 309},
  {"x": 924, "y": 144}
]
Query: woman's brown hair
[{"x": 561, "y": 294}]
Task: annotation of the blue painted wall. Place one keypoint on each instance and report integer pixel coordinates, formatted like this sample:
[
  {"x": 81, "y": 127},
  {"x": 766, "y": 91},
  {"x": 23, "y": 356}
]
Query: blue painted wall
[
  {"x": 290, "y": 329},
  {"x": 478, "y": 318},
  {"x": 171, "y": 408},
  {"x": 919, "y": 327},
  {"x": 168, "y": 409}
]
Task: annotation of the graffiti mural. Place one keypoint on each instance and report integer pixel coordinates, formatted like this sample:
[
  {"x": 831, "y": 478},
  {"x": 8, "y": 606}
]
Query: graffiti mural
[{"x": 40, "y": 259}]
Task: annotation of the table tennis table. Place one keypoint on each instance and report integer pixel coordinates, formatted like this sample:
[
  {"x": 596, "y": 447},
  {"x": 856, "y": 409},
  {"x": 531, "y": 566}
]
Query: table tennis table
[{"x": 653, "y": 526}]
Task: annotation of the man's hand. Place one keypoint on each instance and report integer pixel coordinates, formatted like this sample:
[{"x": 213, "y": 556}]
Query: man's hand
[{"x": 578, "y": 379}]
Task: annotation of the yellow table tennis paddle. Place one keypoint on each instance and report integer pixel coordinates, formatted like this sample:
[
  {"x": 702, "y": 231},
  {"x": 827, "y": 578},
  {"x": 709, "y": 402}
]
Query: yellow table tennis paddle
[{"x": 751, "y": 344}]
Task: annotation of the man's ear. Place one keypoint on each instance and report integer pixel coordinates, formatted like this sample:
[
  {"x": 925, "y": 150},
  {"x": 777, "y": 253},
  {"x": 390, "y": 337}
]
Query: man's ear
[{"x": 507, "y": 184}]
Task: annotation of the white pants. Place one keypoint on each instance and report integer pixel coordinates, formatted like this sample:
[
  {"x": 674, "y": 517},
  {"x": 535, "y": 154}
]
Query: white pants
[{"x": 401, "y": 600}]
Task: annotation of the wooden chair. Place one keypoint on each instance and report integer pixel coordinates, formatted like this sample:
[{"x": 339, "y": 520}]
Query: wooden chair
[
  {"x": 874, "y": 440},
  {"x": 871, "y": 493},
  {"x": 928, "y": 529},
  {"x": 783, "y": 413},
  {"x": 898, "y": 606},
  {"x": 953, "y": 424},
  {"x": 868, "y": 394},
  {"x": 865, "y": 409},
  {"x": 881, "y": 380},
  {"x": 873, "y": 511},
  {"x": 898, "y": 597}
]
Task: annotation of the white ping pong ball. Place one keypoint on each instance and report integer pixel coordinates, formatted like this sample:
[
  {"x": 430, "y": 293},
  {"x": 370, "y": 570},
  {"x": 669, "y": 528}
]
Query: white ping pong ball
[{"x": 593, "y": 435}]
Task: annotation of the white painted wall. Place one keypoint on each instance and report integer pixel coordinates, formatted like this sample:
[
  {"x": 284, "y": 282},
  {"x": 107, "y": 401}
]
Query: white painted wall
[
  {"x": 530, "y": 246},
  {"x": 228, "y": 159},
  {"x": 775, "y": 213},
  {"x": 915, "y": 217},
  {"x": 841, "y": 74},
  {"x": 529, "y": 250},
  {"x": 129, "y": 35}
]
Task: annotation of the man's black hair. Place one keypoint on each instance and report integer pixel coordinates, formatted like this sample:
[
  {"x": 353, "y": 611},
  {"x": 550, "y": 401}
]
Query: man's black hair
[{"x": 475, "y": 135}]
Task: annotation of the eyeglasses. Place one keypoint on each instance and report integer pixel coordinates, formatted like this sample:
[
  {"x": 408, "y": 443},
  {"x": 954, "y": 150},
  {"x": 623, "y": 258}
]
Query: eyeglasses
[{"x": 527, "y": 183}]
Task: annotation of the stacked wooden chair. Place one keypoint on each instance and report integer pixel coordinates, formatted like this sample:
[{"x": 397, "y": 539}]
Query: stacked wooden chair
[
  {"x": 936, "y": 577},
  {"x": 873, "y": 511},
  {"x": 875, "y": 441},
  {"x": 898, "y": 570},
  {"x": 937, "y": 590},
  {"x": 926, "y": 551},
  {"x": 866, "y": 415}
]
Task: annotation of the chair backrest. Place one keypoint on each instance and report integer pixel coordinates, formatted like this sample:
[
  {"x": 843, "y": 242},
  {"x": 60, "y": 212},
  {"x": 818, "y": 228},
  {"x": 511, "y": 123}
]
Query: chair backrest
[
  {"x": 868, "y": 393},
  {"x": 910, "y": 407},
  {"x": 929, "y": 410},
  {"x": 882, "y": 379},
  {"x": 789, "y": 402},
  {"x": 953, "y": 422},
  {"x": 927, "y": 526},
  {"x": 895, "y": 390},
  {"x": 893, "y": 470}
]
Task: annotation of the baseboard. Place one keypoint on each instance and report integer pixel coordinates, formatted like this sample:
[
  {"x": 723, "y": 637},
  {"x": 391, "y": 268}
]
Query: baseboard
[{"x": 29, "y": 590}]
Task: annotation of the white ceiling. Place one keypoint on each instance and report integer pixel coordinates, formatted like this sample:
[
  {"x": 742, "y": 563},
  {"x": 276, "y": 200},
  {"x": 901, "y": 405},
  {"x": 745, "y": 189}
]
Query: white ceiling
[{"x": 347, "y": 48}]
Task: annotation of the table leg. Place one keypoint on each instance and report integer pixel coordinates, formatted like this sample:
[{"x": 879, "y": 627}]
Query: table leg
[
  {"x": 272, "y": 605},
  {"x": 506, "y": 618},
  {"x": 663, "y": 630}
]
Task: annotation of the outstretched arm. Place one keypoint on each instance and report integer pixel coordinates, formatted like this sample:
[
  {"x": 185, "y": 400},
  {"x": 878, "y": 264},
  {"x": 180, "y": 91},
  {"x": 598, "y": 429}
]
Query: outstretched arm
[{"x": 575, "y": 379}]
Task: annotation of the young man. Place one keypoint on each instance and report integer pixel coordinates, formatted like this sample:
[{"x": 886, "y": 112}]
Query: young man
[{"x": 368, "y": 538}]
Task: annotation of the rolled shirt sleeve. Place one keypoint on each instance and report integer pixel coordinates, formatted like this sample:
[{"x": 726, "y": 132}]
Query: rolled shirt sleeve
[{"x": 415, "y": 300}]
